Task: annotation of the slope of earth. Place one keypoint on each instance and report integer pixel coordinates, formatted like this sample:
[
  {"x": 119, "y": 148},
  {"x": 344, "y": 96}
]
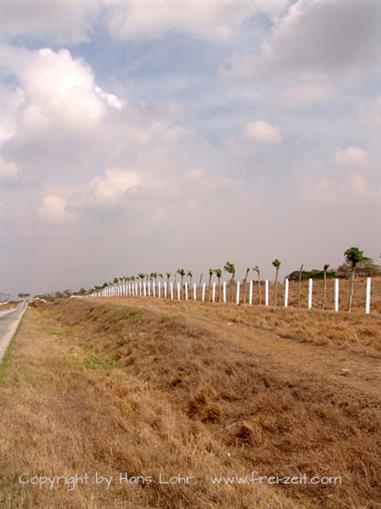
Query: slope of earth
[{"x": 207, "y": 391}]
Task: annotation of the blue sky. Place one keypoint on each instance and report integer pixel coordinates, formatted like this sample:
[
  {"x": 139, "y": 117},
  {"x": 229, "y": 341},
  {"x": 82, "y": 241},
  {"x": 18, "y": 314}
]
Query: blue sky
[{"x": 144, "y": 136}]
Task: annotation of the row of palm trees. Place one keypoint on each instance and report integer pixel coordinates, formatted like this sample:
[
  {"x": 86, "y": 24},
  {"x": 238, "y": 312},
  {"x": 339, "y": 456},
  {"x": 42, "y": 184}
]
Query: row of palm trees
[
  {"x": 120, "y": 282},
  {"x": 353, "y": 257}
]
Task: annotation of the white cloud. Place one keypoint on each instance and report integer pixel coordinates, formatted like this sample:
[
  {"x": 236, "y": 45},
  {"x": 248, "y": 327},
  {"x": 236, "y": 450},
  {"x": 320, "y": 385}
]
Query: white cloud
[
  {"x": 353, "y": 156},
  {"x": 8, "y": 170},
  {"x": 329, "y": 190},
  {"x": 308, "y": 93},
  {"x": 318, "y": 35},
  {"x": 61, "y": 21},
  {"x": 109, "y": 188},
  {"x": 358, "y": 185},
  {"x": 210, "y": 20},
  {"x": 58, "y": 89},
  {"x": 53, "y": 210},
  {"x": 263, "y": 132}
]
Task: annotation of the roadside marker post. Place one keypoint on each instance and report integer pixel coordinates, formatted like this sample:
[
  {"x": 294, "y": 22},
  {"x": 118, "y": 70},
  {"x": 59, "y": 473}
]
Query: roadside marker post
[
  {"x": 266, "y": 292},
  {"x": 286, "y": 283},
  {"x": 194, "y": 291},
  {"x": 144, "y": 289},
  {"x": 237, "y": 294},
  {"x": 159, "y": 289},
  {"x": 368, "y": 292},
  {"x": 336, "y": 302},
  {"x": 165, "y": 289},
  {"x": 178, "y": 291},
  {"x": 154, "y": 288},
  {"x": 149, "y": 288},
  {"x": 310, "y": 293},
  {"x": 203, "y": 292},
  {"x": 186, "y": 291},
  {"x": 171, "y": 288},
  {"x": 224, "y": 291},
  {"x": 214, "y": 292},
  {"x": 251, "y": 293}
]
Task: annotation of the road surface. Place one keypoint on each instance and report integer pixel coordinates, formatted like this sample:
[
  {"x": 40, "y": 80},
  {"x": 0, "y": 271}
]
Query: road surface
[{"x": 9, "y": 321}]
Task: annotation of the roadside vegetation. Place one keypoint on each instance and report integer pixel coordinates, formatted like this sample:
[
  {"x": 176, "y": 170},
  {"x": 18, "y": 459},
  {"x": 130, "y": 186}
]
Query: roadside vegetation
[{"x": 111, "y": 387}]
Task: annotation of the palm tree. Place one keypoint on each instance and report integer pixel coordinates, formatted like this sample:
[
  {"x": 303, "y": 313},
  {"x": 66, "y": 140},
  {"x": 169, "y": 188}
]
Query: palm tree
[
  {"x": 353, "y": 256},
  {"x": 168, "y": 274},
  {"x": 161, "y": 276},
  {"x": 325, "y": 269},
  {"x": 276, "y": 263},
  {"x": 210, "y": 282},
  {"x": 300, "y": 283},
  {"x": 181, "y": 273},
  {"x": 244, "y": 284},
  {"x": 190, "y": 275},
  {"x": 230, "y": 268},
  {"x": 218, "y": 273},
  {"x": 258, "y": 271}
]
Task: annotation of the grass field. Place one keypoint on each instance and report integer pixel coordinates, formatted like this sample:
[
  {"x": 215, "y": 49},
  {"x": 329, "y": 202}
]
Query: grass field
[{"x": 156, "y": 388}]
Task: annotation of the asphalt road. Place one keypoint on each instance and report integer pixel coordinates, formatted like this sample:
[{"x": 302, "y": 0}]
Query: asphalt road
[{"x": 9, "y": 321}]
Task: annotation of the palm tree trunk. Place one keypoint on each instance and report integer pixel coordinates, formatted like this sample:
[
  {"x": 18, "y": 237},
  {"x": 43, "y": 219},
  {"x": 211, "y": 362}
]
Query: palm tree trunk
[
  {"x": 299, "y": 284},
  {"x": 324, "y": 289},
  {"x": 259, "y": 288},
  {"x": 352, "y": 288},
  {"x": 276, "y": 286}
]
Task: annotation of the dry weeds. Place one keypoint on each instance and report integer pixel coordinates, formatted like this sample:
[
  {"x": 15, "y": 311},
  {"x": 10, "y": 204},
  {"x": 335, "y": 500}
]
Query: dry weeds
[{"x": 98, "y": 387}]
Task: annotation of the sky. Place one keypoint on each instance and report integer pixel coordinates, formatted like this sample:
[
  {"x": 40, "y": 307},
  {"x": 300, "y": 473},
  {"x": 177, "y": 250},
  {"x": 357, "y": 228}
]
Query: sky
[{"x": 147, "y": 136}]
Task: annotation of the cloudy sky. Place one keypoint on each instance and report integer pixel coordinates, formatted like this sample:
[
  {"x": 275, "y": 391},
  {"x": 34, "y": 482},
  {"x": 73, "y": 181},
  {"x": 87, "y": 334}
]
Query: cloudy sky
[{"x": 145, "y": 136}]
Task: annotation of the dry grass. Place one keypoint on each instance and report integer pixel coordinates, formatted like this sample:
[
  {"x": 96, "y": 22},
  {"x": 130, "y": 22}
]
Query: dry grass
[{"x": 91, "y": 387}]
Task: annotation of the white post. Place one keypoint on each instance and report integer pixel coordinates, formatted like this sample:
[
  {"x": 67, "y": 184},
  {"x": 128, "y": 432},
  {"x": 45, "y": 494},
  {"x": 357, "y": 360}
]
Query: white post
[
  {"x": 149, "y": 288},
  {"x": 367, "y": 299},
  {"x": 140, "y": 289},
  {"x": 224, "y": 291},
  {"x": 251, "y": 293},
  {"x": 194, "y": 291},
  {"x": 136, "y": 289},
  {"x": 154, "y": 288},
  {"x": 203, "y": 292},
  {"x": 266, "y": 292},
  {"x": 214, "y": 292},
  {"x": 237, "y": 295},
  {"x": 171, "y": 288},
  {"x": 310, "y": 293},
  {"x": 165, "y": 289},
  {"x": 178, "y": 291},
  {"x": 336, "y": 295},
  {"x": 144, "y": 289},
  {"x": 286, "y": 293},
  {"x": 186, "y": 291},
  {"x": 159, "y": 289}
]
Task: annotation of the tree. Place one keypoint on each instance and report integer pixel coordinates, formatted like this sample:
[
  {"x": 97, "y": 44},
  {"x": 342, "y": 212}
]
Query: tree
[
  {"x": 218, "y": 273},
  {"x": 190, "y": 275},
  {"x": 168, "y": 274},
  {"x": 325, "y": 270},
  {"x": 353, "y": 256},
  {"x": 230, "y": 269},
  {"x": 276, "y": 263},
  {"x": 211, "y": 271},
  {"x": 244, "y": 284},
  {"x": 181, "y": 273},
  {"x": 258, "y": 271}
]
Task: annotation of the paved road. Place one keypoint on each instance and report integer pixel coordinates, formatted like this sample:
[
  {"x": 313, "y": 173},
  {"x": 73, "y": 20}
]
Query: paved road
[{"x": 9, "y": 321}]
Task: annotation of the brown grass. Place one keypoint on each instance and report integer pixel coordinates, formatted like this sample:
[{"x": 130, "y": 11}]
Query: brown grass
[{"x": 93, "y": 387}]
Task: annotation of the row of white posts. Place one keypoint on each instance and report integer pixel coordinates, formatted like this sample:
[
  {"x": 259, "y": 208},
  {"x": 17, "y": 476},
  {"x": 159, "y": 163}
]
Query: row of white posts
[{"x": 145, "y": 288}]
